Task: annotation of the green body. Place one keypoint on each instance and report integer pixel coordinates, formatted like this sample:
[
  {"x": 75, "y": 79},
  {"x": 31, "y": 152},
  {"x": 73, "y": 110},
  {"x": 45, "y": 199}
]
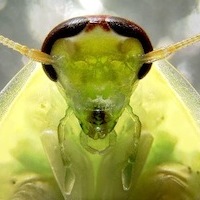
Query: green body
[{"x": 154, "y": 158}]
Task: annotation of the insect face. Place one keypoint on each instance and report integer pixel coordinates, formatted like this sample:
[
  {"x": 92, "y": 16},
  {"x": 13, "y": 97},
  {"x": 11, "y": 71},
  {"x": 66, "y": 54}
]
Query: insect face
[{"x": 98, "y": 68}]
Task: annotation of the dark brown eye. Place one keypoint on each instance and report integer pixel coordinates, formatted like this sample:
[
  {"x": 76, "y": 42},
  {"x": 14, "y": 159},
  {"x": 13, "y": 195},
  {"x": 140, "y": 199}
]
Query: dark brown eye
[
  {"x": 50, "y": 72},
  {"x": 69, "y": 28},
  {"x": 129, "y": 29},
  {"x": 144, "y": 70},
  {"x": 74, "y": 26}
]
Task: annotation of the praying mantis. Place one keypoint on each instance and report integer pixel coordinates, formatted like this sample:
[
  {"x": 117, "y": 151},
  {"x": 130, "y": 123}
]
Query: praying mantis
[{"x": 112, "y": 124}]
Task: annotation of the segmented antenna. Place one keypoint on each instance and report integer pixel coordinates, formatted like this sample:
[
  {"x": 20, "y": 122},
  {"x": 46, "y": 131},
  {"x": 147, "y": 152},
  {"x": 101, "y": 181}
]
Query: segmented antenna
[
  {"x": 157, "y": 54},
  {"x": 33, "y": 54},
  {"x": 164, "y": 52}
]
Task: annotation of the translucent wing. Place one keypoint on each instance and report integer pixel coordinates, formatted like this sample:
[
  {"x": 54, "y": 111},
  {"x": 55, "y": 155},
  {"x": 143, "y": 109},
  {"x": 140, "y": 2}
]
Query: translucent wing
[
  {"x": 168, "y": 108},
  {"x": 29, "y": 104}
]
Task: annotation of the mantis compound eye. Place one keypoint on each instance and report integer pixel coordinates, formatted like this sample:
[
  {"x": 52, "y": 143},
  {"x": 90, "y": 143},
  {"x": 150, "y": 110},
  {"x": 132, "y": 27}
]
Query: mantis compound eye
[
  {"x": 74, "y": 27},
  {"x": 69, "y": 28},
  {"x": 145, "y": 68}
]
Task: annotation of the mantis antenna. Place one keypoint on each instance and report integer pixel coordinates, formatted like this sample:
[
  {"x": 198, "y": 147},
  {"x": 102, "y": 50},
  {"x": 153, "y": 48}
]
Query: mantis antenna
[
  {"x": 164, "y": 52},
  {"x": 33, "y": 54},
  {"x": 157, "y": 54}
]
